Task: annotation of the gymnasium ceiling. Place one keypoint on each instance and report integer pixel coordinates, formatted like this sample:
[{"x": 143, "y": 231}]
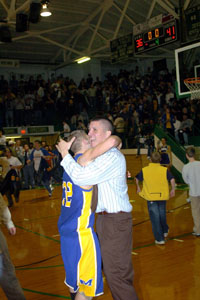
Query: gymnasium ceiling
[{"x": 78, "y": 28}]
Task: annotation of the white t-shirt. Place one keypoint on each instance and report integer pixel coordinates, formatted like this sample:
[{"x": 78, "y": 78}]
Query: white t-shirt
[
  {"x": 191, "y": 176},
  {"x": 14, "y": 161},
  {"x": 3, "y": 140},
  {"x": 37, "y": 158}
]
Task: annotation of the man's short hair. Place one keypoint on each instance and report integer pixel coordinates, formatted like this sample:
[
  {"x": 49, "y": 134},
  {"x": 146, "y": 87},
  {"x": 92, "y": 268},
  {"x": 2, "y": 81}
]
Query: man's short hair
[
  {"x": 77, "y": 144},
  {"x": 107, "y": 124},
  {"x": 155, "y": 157},
  {"x": 190, "y": 152}
]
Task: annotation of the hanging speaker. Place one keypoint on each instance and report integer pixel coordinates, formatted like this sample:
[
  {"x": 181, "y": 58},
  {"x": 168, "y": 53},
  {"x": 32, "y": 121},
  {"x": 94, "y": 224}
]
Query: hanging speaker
[
  {"x": 34, "y": 14},
  {"x": 21, "y": 22},
  {"x": 5, "y": 34}
]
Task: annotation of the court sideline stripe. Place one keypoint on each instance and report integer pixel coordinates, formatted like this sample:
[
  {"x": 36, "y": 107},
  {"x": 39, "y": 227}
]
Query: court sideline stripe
[
  {"x": 42, "y": 235},
  {"x": 38, "y": 262},
  {"x": 37, "y": 268}
]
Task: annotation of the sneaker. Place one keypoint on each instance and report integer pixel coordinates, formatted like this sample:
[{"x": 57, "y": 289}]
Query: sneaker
[
  {"x": 159, "y": 242},
  {"x": 166, "y": 234},
  {"x": 196, "y": 234},
  {"x": 50, "y": 194}
]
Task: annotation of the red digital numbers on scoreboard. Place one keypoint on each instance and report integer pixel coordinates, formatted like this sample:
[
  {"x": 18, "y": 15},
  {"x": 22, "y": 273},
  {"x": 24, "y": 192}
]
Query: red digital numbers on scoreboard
[
  {"x": 170, "y": 31},
  {"x": 139, "y": 43}
]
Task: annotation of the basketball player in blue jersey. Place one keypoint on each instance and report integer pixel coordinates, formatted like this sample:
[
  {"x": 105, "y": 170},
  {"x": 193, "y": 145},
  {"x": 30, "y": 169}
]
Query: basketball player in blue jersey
[{"x": 79, "y": 244}]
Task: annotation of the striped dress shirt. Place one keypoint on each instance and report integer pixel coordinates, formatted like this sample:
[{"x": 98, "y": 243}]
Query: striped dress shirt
[{"x": 109, "y": 172}]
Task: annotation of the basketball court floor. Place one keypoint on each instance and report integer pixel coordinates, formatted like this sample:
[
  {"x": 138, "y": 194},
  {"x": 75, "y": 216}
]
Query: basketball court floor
[{"x": 167, "y": 272}]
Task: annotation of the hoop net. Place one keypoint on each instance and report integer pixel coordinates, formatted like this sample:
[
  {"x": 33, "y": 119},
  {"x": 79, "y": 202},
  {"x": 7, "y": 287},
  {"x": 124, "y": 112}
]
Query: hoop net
[{"x": 193, "y": 84}]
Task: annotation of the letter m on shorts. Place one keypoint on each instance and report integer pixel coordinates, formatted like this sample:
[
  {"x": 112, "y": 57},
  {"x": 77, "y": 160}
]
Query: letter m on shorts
[{"x": 88, "y": 283}]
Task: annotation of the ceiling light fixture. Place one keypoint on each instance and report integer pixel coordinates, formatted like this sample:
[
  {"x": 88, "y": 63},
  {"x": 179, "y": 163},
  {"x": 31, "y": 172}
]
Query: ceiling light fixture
[
  {"x": 82, "y": 59},
  {"x": 45, "y": 12}
]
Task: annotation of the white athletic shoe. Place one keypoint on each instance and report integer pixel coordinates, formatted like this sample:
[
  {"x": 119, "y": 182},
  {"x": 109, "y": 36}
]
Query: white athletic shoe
[{"x": 159, "y": 242}]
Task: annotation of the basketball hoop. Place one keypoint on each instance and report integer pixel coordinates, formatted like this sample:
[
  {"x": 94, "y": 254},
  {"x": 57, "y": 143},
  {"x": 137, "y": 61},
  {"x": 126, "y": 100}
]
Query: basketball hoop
[{"x": 193, "y": 84}]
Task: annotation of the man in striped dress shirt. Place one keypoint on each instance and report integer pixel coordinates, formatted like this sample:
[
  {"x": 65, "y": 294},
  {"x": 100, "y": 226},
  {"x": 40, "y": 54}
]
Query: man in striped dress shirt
[{"x": 114, "y": 222}]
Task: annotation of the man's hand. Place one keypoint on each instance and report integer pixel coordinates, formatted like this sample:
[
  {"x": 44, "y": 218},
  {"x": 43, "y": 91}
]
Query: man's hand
[
  {"x": 172, "y": 193},
  {"x": 63, "y": 146},
  {"x": 138, "y": 190},
  {"x": 12, "y": 230}
]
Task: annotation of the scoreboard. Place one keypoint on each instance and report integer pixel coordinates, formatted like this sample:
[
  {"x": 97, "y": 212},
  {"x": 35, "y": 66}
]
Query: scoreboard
[
  {"x": 192, "y": 18},
  {"x": 155, "y": 32},
  {"x": 121, "y": 48},
  {"x": 163, "y": 32}
]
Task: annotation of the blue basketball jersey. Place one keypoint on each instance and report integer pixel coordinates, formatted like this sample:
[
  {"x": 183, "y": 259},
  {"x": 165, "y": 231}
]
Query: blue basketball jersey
[{"x": 79, "y": 244}]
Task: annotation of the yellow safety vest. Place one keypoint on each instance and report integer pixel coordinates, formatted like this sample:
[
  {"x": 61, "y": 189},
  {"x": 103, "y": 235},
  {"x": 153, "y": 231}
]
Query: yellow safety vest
[{"x": 155, "y": 183}]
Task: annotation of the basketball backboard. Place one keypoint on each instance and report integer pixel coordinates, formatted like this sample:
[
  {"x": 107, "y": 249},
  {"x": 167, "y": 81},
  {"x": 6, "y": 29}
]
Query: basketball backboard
[{"x": 187, "y": 66}]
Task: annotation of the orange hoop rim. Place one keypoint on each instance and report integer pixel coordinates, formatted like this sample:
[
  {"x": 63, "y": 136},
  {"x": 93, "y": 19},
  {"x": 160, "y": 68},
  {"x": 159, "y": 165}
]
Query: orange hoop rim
[{"x": 192, "y": 80}]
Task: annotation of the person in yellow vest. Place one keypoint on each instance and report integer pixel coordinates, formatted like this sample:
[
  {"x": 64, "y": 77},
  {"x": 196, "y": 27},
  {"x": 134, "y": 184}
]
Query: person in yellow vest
[{"x": 155, "y": 190}]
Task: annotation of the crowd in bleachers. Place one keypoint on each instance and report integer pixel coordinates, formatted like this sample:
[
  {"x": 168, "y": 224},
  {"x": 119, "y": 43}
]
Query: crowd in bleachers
[{"x": 135, "y": 102}]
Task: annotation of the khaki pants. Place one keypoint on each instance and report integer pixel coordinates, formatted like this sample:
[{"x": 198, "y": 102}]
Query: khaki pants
[
  {"x": 115, "y": 236},
  {"x": 195, "y": 206}
]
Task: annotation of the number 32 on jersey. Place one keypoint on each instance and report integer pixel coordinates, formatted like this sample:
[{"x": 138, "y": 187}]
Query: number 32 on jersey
[{"x": 67, "y": 189}]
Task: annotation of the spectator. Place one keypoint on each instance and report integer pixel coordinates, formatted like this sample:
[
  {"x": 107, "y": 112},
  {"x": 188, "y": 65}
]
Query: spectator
[
  {"x": 8, "y": 279},
  {"x": 2, "y": 140},
  {"x": 66, "y": 129},
  {"x": 191, "y": 176},
  {"x": 168, "y": 121},
  {"x": 165, "y": 152},
  {"x": 11, "y": 184},
  {"x": 28, "y": 169},
  {"x": 156, "y": 191},
  {"x": 185, "y": 130}
]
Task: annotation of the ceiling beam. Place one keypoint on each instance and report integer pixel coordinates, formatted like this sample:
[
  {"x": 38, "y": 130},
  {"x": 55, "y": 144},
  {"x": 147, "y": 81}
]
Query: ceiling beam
[
  {"x": 54, "y": 29},
  {"x": 38, "y": 33},
  {"x": 169, "y": 3},
  {"x": 99, "y": 49},
  {"x": 104, "y": 29},
  {"x": 167, "y": 8},
  {"x": 121, "y": 11},
  {"x": 60, "y": 45},
  {"x": 153, "y": 3},
  {"x": 12, "y": 11},
  {"x": 99, "y": 34},
  {"x": 121, "y": 19},
  {"x": 187, "y": 2},
  {"x": 3, "y": 3},
  {"x": 96, "y": 28},
  {"x": 69, "y": 11}
]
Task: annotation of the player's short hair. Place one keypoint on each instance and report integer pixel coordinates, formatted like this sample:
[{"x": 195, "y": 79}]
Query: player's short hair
[
  {"x": 155, "y": 157},
  {"x": 77, "y": 144},
  {"x": 190, "y": 152},
  {"x": 106, "y": 123}
]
